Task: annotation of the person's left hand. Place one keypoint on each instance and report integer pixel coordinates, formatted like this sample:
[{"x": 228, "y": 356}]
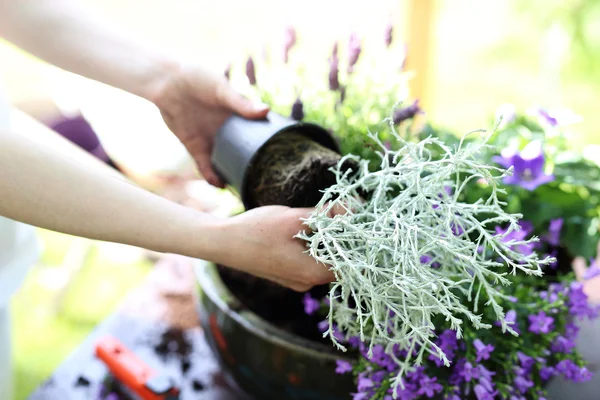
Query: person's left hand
[{"x": 194, "y": 104}]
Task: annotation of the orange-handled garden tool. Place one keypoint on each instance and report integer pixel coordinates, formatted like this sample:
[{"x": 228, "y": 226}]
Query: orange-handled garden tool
[{"x": 133, "y": 373}]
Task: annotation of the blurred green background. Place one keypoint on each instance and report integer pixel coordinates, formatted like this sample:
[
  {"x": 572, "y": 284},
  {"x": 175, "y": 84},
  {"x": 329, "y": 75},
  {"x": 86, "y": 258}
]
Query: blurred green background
[{"x": 485, "y": 53}]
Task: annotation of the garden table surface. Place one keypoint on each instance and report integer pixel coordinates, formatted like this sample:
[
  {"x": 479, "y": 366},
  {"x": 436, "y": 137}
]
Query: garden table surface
[{"x": 159, "y": 322}]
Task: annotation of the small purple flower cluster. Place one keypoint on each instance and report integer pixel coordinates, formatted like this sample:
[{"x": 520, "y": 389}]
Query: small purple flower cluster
[{"x": 528, "y": 167}]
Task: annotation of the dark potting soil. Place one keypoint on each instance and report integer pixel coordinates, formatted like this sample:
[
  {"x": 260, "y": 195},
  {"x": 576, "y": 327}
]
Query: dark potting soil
[
  {"x": 280, "y": 306},
  {"x": 291, "y": 170}
]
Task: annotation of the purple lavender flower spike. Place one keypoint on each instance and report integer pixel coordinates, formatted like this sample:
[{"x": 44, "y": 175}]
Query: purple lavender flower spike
[
  {"x": 251, "y": 71},
  {"x": 389, "y": 34},
  {"x": 540, "y": 323},
  {"x": 406, "y": 113},
  {"x": 528, "y": 166},
  {"x": 354, "y": 49},
  {"x": 342, "y": 367},
  {"x": 311, "y": 305},
  {"x": 289, "y": 42},
  {"x": 298, "y": 110},
  {"x": 334, "y": 83}
]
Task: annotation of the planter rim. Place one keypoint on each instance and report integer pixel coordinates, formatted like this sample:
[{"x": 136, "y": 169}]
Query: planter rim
[{"x": 212, "y": 286}]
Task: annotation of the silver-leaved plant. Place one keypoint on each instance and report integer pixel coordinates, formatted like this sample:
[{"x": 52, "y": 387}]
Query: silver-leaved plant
[{"x": 407, "y": 250}]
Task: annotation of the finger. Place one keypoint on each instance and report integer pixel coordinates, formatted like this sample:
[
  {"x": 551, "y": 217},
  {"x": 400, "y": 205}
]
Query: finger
[
  {"x": 237, "y": 103},
  {"x": 206, "y": 170},
  {"x": 579, "y": 267}
]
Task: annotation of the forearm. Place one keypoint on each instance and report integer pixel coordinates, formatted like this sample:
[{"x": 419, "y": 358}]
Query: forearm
[
  {"x": 67, "y": 35},
  {"x": 43, "y": 188}
]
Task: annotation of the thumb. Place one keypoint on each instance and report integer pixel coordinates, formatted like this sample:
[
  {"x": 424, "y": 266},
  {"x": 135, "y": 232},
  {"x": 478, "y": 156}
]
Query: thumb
[
  {"x": 579, "y": 267},
  {"x": 237, "y": 103}
]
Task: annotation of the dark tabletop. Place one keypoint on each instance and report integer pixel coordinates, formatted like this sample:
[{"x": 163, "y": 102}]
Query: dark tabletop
[{"x": 159, "y": 323}]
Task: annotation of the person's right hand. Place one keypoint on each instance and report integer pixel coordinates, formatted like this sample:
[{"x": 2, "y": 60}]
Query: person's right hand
[{"x": 261, "y": 242}]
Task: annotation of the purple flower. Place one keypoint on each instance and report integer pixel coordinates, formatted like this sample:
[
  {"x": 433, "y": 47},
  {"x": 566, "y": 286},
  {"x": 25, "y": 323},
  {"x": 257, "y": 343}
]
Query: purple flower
[
  {"x": 578, "y": 302},
  {"x": 364, "y": 384},
  {"x": 540, "y": 323},
  {"x": 360, "y": 396},
  {"x": 528, "y": 167},
  {"x": 354, "y": 50},
  {"x": 518, "y": 236},
  {"x": 546, "y": 373},
  {"x": 483, "y": 350},
  {"x": 298, "y": 110},
  {"x": 592, "y": 271},
  {"x": 554, "y": 230},
  {"x": 311, "y": 305},
  {"x": 562, "y": 345},
  {"x": 389, "y": 30},
  {"x": 523, "y": 384},
  {"x": 572, "y": 371},
  {"x": 555, "y": 117},
  {"x": 354, "y": 341},
  {"x": 251, "y": 71},
  {"x": 342, "y": 367},
  {"x": 289, "y": 42},
  {"x": 481, "y": 393},
  {"x": 469, "y": 372},
  {"x": 429, "y": 386},
  {"x": 334, "y": 83},
  {"x": 406, "y": 113},
  {"x": 526, "y": 361}
]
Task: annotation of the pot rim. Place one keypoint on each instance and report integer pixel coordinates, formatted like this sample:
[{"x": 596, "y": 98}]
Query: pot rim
[{"x": 212, "y": 286}]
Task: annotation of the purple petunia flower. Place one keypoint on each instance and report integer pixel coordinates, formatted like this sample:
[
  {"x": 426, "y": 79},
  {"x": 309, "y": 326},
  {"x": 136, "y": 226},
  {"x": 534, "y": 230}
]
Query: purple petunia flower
[
  {"x": 406, "y": 113},
  {"x": 289, "y": 42},
  {"x": 540, "y": 323},
  {"x": 354, "y": 49},
  {"x": 483, "y": 350},
  {"x": 554, "y": 229},
  {"x": 342, "y": 367},
  {"x": 528, "y": 167},
  {"x": 311, "y": 305},
  {"x": 298, "y": 110},
  {"x": 251, "y": 71},
  {"x": 389, "y": 31}
]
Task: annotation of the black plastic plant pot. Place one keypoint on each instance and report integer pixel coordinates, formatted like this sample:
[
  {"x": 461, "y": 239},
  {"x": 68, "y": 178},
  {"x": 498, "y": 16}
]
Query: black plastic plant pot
[
  {"x": 262, "y": 360},
  {"x": 239, "y": 140}
]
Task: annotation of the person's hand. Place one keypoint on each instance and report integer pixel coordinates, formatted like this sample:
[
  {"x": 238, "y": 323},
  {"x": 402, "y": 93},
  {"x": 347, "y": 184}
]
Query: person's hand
[
  {"x": 261, "y": 242},
  {"x": 194, "y": 104}
]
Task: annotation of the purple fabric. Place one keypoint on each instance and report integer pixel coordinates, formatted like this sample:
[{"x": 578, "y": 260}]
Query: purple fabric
[{"x": 78, "y": 131}]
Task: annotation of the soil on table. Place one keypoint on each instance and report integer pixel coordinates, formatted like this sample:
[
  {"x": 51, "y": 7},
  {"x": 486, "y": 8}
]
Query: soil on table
[{"x": 291, "y": 170}]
